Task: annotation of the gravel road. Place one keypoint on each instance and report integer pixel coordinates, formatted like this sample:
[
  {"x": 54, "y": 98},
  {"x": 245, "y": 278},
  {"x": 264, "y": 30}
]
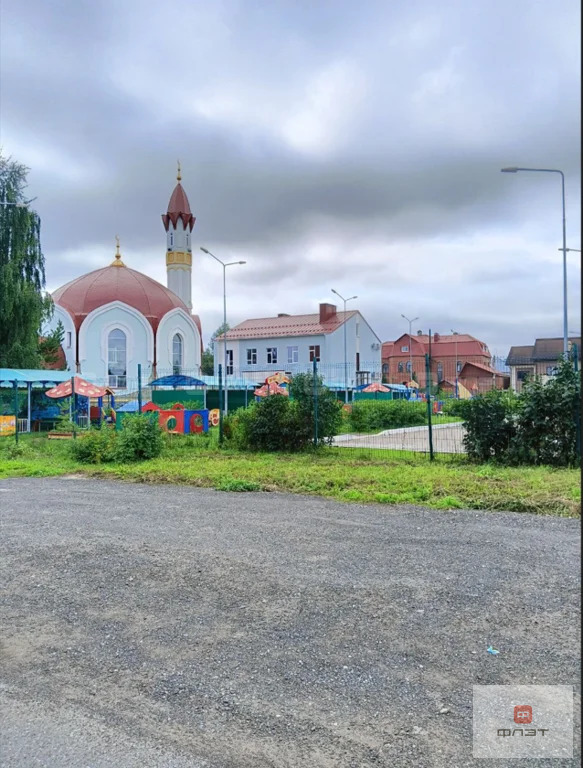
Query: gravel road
[
  {"x": 447, "y": 438},
  {"x": 168, "y": 626}
]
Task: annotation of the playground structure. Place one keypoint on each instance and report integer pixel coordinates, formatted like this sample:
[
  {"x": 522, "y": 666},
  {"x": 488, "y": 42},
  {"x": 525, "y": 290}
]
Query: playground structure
[{"x": 176, "y": 420}]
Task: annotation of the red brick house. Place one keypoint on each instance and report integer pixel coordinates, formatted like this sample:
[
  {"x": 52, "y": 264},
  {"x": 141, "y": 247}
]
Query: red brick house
[{"x": 404, "y": 359}]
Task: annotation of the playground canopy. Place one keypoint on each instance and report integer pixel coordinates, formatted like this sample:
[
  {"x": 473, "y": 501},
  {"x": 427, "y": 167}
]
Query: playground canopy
[
  {"x": 375, "y": 387},
  {"x": 82, "y": 387},
  {"x": 177, "y": 380},
  {"x": 28, "y": 376}
]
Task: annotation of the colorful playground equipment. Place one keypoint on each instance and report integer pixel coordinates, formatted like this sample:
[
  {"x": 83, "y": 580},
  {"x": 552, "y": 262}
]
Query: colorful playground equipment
[{"x": 176, "y": 420}]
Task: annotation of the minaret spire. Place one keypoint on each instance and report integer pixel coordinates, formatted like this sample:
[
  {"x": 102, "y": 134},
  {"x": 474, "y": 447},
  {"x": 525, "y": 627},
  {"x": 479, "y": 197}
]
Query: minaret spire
[{"x": 178, "y": 222}]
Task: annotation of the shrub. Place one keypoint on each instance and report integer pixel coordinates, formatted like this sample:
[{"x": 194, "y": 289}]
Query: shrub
[
  {"x": 140, "y": 438},
  {"x": 546, "y": 420},
  {"x": 94, "y": 447},
  {"x": 489, "y": 424},
  {"x": 453, "y": 407},
  {"x": 368, "y": 415},
  {"x": 329, "y": 408},
  {"x": 274, "y": 424}
]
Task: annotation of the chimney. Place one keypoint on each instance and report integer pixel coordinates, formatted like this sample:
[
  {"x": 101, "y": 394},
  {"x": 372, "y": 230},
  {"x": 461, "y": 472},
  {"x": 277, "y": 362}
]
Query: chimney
[
  {"x": 282, "y": 314},
  {"x": 327, "y": 311},
  {"x": 436, "y": 337},
  {"x": 419, "y": 333}
]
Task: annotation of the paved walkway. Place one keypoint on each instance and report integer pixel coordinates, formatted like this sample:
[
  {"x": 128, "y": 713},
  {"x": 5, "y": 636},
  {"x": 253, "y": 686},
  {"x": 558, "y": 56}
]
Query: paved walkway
[{"x": 447, "y": 438}]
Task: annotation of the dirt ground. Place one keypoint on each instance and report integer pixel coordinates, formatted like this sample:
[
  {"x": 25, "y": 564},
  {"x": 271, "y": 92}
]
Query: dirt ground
[{"x": 167, "y": 626}]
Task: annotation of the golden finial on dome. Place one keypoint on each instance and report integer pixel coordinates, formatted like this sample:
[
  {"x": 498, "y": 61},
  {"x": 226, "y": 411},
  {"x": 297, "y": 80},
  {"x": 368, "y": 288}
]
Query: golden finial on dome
[
  {"x": 117, "y": 262},
  {"x": 178, "y": 175}
]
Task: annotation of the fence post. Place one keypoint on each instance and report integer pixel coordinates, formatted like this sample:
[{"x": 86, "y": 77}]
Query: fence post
[
  {"x": 15, "y": 384},
  {"x": 578, "y": 406},
  {"x": 139, "y": 387},
  {"x": 73, "y": 408},
  {"x": 220, "y": 404},
  {"x": 428, "y": 389},
  {"x": 315, "y": 377}
]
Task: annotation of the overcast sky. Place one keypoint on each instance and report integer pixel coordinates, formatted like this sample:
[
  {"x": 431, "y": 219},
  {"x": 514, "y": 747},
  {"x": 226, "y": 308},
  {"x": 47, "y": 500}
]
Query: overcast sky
[{"x": 330, "y": 144}]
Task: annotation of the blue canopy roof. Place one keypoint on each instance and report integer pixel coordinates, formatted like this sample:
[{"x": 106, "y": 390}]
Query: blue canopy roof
[
  {"x": 177, "y": 381},
  {"x": 24, "y": 376},
  {"x": 132, "y": 406}
]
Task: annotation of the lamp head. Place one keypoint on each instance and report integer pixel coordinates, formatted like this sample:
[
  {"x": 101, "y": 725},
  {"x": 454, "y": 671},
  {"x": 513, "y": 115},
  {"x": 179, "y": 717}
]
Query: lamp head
[
  {"x": 204, "y": 250},
  {"x": 512, "y": 169},
  {"x": 241, "y": 262}
]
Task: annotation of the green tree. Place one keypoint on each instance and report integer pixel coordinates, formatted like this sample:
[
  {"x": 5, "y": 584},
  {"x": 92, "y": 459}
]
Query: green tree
[
  {"x": 23, "y": 304},
  {"x": 208, "y": 357},
  {"x": 49, "y": 346}
]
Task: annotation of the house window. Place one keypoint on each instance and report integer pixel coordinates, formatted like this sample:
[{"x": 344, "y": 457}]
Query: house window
[
  {"x": 405, "y": 348},
  {"x": 292, "y": 355},
  {"x": 271, "y": 355},
  {"x": 177, "y": 345},
  {"x": 315, "y": 353},
  {"x": 439, "y": 372},
  {"x": 385, "y": 368},
  {"x": 400, "y": 368},
  {"x": 358, "y": 361},
  {"x": 229, "y": 362},
  {"x": 408, "y": 366},
  {"x": 117, "y": 358},
  {"x": 69, "y": 339},
  {"x": 552, "y": 370},
  {"x": 251, "y": 357},
  {"x": 357, "y": 328},
  {"x": 522, "y": 375}
]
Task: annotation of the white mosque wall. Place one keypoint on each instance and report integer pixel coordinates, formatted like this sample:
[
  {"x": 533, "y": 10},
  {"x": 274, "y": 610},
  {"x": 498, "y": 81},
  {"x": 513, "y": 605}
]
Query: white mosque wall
[
  {"x": 70, "y": 335},
  {"x": 173, "y": 322},
  {"x": 93, "y": 342}
]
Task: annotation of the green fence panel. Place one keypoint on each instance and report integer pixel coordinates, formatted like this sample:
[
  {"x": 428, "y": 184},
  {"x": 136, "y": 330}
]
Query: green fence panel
[
  {"x": 373, "y": 396},
  {"x": 165, "y": 398}
]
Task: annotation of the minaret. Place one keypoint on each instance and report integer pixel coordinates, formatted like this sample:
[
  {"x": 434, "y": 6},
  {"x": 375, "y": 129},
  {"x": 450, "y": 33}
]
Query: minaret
[{"x": 178, "y": 223}]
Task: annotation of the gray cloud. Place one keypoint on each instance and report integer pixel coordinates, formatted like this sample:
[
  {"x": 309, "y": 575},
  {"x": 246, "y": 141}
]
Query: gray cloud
[{"x": 327, "y": 143}]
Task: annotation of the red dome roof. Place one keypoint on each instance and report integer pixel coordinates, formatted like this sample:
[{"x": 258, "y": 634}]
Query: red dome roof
[{"x": 117, "y": 283}]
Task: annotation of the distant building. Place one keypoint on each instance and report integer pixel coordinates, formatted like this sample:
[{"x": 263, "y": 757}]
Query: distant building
[
  {"x": 538, "y": 359},
  {"x": 290, "y": 343},
  {"x": 453, "y": 355}
]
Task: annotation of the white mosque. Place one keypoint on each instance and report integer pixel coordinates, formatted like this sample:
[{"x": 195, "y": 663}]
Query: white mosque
[{"x": 117, "y": 317}]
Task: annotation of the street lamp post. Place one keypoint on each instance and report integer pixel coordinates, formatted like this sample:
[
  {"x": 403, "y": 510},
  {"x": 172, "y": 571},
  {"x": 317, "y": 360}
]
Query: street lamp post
[
  {"x": 410, "y": 346},
  {"x": 224, "y": 266},
  {"x": 455, "y": 333},
  {"x": 345, "y": 353},
  {"x": 514, "y": 169}
]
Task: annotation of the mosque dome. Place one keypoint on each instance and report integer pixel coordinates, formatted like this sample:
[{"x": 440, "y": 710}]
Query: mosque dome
[{"x": 117, "y": 283}]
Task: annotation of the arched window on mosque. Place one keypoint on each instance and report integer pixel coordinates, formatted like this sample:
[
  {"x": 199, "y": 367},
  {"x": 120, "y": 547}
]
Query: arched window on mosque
[
  {"x": 117, "y": 358},
  {"x": 177, "y": 354}
]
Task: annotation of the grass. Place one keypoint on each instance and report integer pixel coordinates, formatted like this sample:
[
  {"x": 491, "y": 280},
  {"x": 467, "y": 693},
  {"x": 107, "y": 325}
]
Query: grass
[{"x": 356, "y": 475}]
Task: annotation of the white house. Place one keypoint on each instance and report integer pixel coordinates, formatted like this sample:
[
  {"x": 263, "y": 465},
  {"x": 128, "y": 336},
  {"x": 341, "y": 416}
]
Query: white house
[
  {"x": 115, "y": 318},
  {"x": 290, "y": 343}
]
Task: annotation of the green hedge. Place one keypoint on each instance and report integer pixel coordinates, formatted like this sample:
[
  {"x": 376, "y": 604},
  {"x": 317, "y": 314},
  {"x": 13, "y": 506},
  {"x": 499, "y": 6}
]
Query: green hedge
[{"x": 378, "y": 414}]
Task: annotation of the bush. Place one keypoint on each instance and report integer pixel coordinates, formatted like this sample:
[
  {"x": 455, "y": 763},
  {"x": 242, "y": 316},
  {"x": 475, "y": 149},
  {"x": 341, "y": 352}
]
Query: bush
[
  {"x": 94, "y": 447},
  {"x": 140, "y": 438},
  {"x": 539, "y": 426},
  {"x": 489, "y": 424},
  {"x": 546, "y": 420},
  {"x": 453, "y": 407},
  {"x": 301, "y": 390},
  {"x": 274, "y": 424},
  {"x": 369, "y": 415}
]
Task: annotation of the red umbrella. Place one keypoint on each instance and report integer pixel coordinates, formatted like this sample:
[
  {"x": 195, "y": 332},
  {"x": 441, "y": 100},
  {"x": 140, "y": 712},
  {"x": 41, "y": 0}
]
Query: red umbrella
[
  {"x": 376, "y": 387},
  {"x": 82, "y": 387},
  {"x": 271, "y": 389}
]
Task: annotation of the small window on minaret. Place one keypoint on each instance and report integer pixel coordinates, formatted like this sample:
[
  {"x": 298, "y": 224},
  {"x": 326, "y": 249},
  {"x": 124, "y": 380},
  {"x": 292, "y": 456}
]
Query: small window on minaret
[{"x": 171, "y": 239}]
